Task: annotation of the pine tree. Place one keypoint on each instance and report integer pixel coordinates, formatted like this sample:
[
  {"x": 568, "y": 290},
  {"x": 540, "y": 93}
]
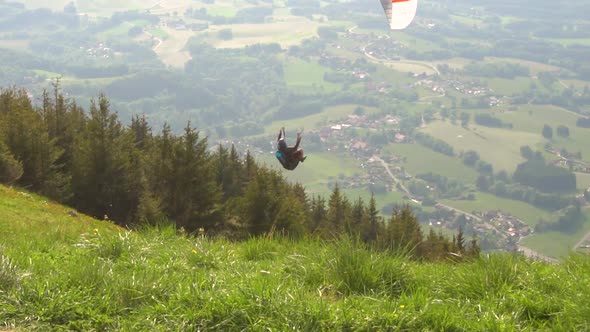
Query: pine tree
[
  {"x": 404, "y": 232},
  {"x": 318, "y": 214},
  {"x": 195, "y": 195},
  {"x": 354, "y": 222},
  {"x": 101, "y": 165},
  {"x": 10, "y": 169},
  {"x": 28, "y": 141},
  {"x": 338, "y": 210},
  {"x": 460, "y": 241},
  {"x": 371, "y": 223}
]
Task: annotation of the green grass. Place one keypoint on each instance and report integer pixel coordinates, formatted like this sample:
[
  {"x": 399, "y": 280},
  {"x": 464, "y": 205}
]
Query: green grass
[
  {"x": 569, "y": 41},
  {"x": 509, "y": 87},
  {"x": 316, "y": 121},
  {"x": 225, "y": 11},
  {"x": 318, "y": 169},
  {"x": 557, "y": 244},
  {"x": 532, "y": 118},
  {"x": 308, "y": 76},
  {"x": 158, "y": 32},
  {"x": 488, "y": 202},
  {"x": 500, "y": 147},
  {"x": 96, "y": 277},
  {"x": 582, "y": 181},
  {"x": 420, "y": 159}
]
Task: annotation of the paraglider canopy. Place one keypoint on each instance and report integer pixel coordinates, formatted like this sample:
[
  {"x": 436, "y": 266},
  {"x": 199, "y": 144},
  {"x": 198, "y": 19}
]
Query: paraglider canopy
[{"x": 399, "y": 13}]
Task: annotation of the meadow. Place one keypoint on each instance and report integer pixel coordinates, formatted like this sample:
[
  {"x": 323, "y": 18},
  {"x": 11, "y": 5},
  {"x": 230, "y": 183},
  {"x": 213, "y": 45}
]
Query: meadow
[
  {"x": 285, "y": 31},
  {"x": 500, "y": 147},
  {"x": 419, "y": 159},
  {"x": 307, "y": 76},
  {"x": 329, "y": 115},
  {"x": 532, "y": 118},
  {"x": 487, "y": 202},
  {"x": 63, "y": 273},
  {"x": 558, "y": 244}
]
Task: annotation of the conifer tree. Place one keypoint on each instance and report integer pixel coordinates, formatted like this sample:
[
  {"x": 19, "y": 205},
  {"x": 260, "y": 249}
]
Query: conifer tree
[
  {"x": 372, "y": 223},
  {"x": 404, "y": 232},
  {"x": 10, "y": 169},
  {"x": 318, "y": 214},
  {"x": 101, "y": 164},
  {"x": 28, "y": 141},
  {"x": 338, "y": 210},
  {"x": 195, "y": 195},
  {"x": 357, "y": 213}
]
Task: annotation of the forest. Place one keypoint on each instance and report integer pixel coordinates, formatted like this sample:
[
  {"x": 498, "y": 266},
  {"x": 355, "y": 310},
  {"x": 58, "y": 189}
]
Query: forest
[{"x": 131, "y": 176}]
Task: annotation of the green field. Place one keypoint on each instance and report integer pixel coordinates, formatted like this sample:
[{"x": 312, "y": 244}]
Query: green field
[
  {"x": 509, "y": 87},
  {"x": 319, "y": 168},
  {"x": 420, "y": 159},
  {"x": 582, "y": 181},
  {"x": 557, "y": 244},
  {"x": 316, "y": 121},
  {"x": 534, "y": 67},
  {"x": 488, "y": 202},
  {"x": 534, "y": 121},
  {"x": 307, "y": 76},
  {"x": 225, "y": 11},
  {"x": 500, "y": 147}
]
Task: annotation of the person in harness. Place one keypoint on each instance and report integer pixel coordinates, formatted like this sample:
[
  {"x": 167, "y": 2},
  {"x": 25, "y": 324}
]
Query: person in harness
[{"x": 289, "y": 156}]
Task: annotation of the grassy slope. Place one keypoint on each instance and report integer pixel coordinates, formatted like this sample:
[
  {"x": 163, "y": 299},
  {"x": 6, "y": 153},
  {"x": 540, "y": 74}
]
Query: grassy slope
[
  {"x": 91, "y": 278},
  {"x": 487, "y": 202},
  {"x": 500, "y": 147},
  {"x": 532, "y": 119}
]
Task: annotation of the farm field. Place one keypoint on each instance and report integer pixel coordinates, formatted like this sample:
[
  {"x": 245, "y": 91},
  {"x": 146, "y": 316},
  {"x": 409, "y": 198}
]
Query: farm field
[
  {"x": 316, "y": 121},
  {"x": 488, "y": 202},
  {"x": 557, "y": 244},
  {"x": 534, "y": 67},
  {"x": 172, "y": 50},
  {"x": 500, "y": 147},
  {"x": 532, "y": 118},
  {"x": 289, "y": 31},
  {"x": 307, "y": 76},
  {"x": 419, "y": 159}
]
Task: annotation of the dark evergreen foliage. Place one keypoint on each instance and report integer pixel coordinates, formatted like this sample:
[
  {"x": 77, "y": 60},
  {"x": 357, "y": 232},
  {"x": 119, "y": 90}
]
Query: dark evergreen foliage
[{"x": 130, "y": 176}]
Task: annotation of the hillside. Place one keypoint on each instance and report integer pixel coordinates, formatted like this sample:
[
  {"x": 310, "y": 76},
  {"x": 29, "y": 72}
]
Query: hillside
[{"x": 64, "y": 272}]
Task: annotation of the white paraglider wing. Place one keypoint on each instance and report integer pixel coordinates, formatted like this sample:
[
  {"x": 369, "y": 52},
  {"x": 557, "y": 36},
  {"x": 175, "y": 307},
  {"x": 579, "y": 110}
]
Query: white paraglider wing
[{"x": 399, "y": 13}]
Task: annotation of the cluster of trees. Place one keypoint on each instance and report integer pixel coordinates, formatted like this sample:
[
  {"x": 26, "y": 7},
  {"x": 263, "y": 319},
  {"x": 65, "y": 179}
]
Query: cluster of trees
[
  {"x": 434, "y": 143},
  {"x": 570, "y": 221},
  {"x": 488, "y": 120},
  {"x": 447, "y": 188},
  {"x": 511, "y": 190},
  {"x": 471, "y": 159},
  {"x": 131, "y": 176},
  {"x": 547, "y": 178}
]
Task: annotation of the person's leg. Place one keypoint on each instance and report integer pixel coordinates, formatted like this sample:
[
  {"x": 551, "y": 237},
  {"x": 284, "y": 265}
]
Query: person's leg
[{"x": 298, "y": 141}]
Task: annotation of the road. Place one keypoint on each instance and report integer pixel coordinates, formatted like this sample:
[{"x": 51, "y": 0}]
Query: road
[
  {"x": 585, "y": 238},
  {"x": 158, "y": 40},
  {"x": 395, "y": 180},
  {"x": 419, "y": 63},
  {"x": 470, "y": 215}
]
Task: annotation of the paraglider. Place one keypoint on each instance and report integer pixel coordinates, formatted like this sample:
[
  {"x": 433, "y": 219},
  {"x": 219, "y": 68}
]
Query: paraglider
[
  {"x": 399, "y": 13},
  {"x": 289, "y": 156}
]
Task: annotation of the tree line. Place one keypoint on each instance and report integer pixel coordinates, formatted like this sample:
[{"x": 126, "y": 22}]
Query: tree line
[{"x": 131, "y": 176}]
